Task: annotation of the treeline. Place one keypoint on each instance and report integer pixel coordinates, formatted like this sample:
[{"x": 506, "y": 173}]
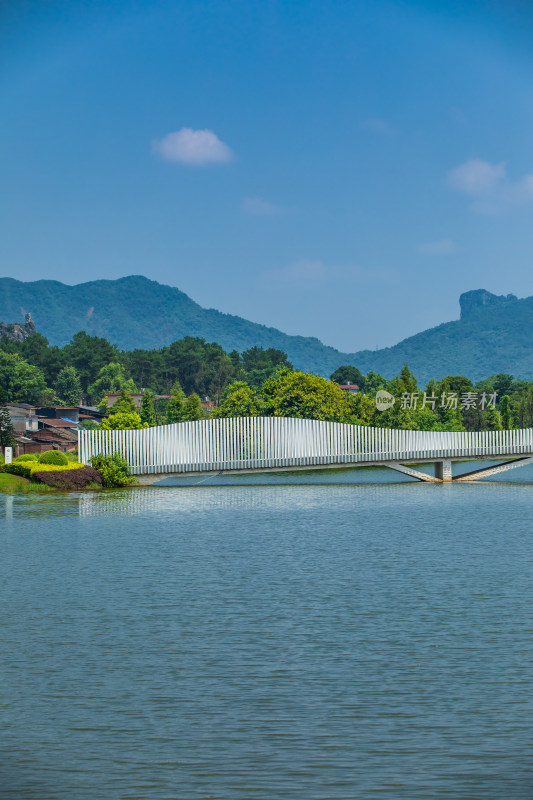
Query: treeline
[
  {"x": 452, "y": 404},
  {"x": 33, "y": 371},
  {"x": 256, "y": 382}
]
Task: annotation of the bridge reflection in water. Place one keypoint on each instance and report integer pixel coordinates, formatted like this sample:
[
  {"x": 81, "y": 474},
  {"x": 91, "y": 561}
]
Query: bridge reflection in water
[{"x": 271, "y": 444}]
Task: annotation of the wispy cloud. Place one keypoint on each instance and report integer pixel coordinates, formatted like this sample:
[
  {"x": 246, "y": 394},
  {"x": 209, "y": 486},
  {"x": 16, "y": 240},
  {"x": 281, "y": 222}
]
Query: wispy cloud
[
  {"x": 377, "y": 125},
  {"x": 476, "y": 177},
  {"x": 258, "y": 207},
  {"x": 308, "y": 273},
  {"x": 441, "y": 248},
  {"x": 490, "y": 189},
  {"x": 195, "y": 148}
]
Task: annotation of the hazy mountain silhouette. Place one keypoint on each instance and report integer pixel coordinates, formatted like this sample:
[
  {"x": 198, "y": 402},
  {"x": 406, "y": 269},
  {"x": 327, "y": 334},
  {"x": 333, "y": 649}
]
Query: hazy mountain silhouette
[{"x": 492, "y": 335}]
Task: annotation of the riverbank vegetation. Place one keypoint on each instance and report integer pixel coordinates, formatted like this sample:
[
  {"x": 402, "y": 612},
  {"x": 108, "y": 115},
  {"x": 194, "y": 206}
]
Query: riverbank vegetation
[
  {"x": 251, "y": 383},
  {"x": 52, "y": 470}
]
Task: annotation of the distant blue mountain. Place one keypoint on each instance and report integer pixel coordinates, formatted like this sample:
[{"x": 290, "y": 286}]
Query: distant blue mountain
[{"x": 492, "y": 335}]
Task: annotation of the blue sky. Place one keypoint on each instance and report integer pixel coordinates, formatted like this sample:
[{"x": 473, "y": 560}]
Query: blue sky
[{"x": 336, "y": 169}]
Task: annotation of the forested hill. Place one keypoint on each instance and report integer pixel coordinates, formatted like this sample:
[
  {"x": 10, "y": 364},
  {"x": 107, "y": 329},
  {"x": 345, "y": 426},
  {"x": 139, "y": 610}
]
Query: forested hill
[
  {"x": 493, "y": 334},
  {"x": 135, "y": 312}
]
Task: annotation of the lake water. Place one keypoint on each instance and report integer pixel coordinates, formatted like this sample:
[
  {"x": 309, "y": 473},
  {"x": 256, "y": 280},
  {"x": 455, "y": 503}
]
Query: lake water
[{"x": 273, "y": 642}]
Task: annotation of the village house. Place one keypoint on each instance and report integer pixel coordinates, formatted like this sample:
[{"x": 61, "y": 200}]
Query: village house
[
  {"x": 38, "y": 429},
  {"x": 62, "y": 413},
  {"x": 137, "y": 398},
  {"x": 23, "y": 417},
  {"x": 349, "y": 387}
]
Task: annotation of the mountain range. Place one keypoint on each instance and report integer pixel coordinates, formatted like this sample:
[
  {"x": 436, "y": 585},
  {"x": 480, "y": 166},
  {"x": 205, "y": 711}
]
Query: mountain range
[{"x": 492, "y": 335}]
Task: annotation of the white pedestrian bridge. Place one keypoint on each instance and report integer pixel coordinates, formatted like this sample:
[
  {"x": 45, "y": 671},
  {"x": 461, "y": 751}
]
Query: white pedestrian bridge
[{"x": 272, "y": 444}]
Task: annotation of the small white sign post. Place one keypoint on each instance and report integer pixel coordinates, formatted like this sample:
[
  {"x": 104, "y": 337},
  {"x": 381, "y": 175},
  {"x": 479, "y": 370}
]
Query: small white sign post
[{"x": 8, "y": 455}]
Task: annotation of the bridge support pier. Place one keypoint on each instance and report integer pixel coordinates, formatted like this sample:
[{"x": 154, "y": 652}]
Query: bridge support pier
[
  {"x": 413, "y": 473},
  {"x": 485, "y": 472},
  {"x": 443, "y": 470}
]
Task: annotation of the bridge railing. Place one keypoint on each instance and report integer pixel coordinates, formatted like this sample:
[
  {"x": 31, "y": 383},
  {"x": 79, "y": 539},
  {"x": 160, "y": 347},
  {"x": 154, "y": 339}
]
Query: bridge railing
[{"x": 268, "y": 442}]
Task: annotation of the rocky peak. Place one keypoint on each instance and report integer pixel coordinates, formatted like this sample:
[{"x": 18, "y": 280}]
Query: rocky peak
[
  {"x": 16, "y": 331},
  {"x": 478, "y": 298}
]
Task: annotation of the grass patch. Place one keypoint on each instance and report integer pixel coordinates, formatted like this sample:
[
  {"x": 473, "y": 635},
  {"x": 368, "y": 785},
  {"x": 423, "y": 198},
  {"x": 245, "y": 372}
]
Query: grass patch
[{"x": 14, "y": 483}]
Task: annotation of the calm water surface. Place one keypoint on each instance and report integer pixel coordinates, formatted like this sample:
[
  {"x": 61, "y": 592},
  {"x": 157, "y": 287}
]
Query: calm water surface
[{"x": 298, "y": 641}]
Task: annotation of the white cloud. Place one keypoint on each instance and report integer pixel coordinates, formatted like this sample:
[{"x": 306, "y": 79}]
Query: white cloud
[
  {"x": 188, "y": 146},
  {"x": 440, "y": 248},
  {"x": 476, "y": 177},
  {"x": 257, "y": 207},
  {"x": 492, "y": 192}
]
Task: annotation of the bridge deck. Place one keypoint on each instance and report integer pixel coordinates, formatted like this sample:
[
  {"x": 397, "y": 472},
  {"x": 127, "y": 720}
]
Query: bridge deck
[{"x": 270, "y": 443}]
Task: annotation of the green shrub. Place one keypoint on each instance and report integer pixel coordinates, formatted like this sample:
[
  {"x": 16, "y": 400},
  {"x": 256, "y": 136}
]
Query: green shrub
[
  {"x": 22, "y": 470},
  {"x": 115, "y": 470},
  {"x": 26, "y": 457},
  {"x": 27, "y": 468},
  {"x": 68, "y": 479},
  {"x": 53, "y": 457},
  {"x": 122, "y": 422}
]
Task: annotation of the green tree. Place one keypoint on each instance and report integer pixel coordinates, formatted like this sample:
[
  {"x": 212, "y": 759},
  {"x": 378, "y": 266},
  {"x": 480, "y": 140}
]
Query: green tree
[
  {"x": 48, "y": 398},
  {"x": 522, "y": 407},
  {"x": 505, "y": 412},
  {"x": 240, "y": 400},
  {"x": 20, "y": 381},
  {"x": 448, "y": 408},
  {"x": 115, "y": 470},
  {"x": 405, "y": 383},
  {"x": 124, "y": 403},
  {"x": 7, "y": 434},
  {"x": 424, "y": 419},
  {"x": 103, "y": 405},
  {"x": 192, "y": 408},
  {"x": 348, "y": 374},
  {"x": 502, "y": 383},
  {"x": 199, "y": 366},
  {"x": 374, "y": 382},
  {"x": 298, "y": 394},
  {"x": 146, "y": 368},
  {"x": 123, "y": 421},
  {"x": 68, "y": 386},
  {"x": 51, "y": 360},
  {"x": 362, "y": 408},
  {"x": 89, "y": 354},
  {"x": 493, "y": 420},
  {"x": 235, "y": 358},
  {"x": 455, "y": 383},
  {"x": 260, "y": 364},
  {"x": 395, "y": 417},
  {"x": 176, "y": 403},
  {"x": 147, "y": 409},
  {"x": 89, "y": 425},
  {"x": 111, "y": 379}
]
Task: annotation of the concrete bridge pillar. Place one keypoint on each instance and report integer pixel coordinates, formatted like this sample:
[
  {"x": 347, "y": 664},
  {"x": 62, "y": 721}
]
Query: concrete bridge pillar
[{"x": 443, "y": 470}]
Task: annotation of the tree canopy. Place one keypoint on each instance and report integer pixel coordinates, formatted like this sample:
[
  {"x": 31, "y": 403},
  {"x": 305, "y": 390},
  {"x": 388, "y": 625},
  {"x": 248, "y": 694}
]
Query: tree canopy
[
  {"x": 348, "y": 374},
  {"x": 240, "y": 400},
  {"x": 123, "y": 421},
  {"x": 20, "y": 382},
  {"x": 68, "y": 386},
  {"x": 258, "y": 381}
]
